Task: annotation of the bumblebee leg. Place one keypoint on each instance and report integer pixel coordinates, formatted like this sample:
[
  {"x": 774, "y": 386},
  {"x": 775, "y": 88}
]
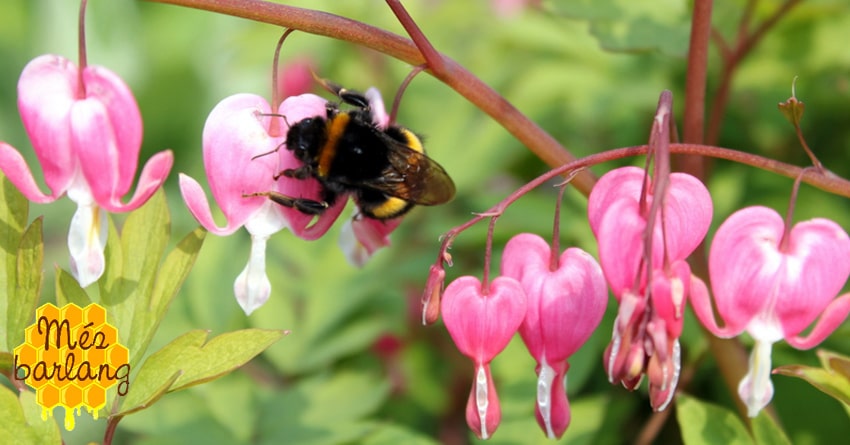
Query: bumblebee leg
[
  {"x": 307, "y": 206},
  {"x": 302, "y": 172},
  {"x": 350, "y": 97}
]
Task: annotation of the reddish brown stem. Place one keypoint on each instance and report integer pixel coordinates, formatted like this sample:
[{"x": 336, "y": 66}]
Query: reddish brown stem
[{"x": 541, "y": 143}]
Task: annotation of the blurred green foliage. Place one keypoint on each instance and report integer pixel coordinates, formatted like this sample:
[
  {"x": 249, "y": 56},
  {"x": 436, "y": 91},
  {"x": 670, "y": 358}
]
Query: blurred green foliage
[{"x": 357, "y": 366}]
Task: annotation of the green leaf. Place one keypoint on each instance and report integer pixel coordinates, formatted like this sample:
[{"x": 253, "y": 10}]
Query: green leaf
[
  {"x": 14, "y": 212},
  {"x": 195, "y": 361},
  {"x": 22, "y": 420},
  {"x": 68, "y": 290},
  {"x": 46, "y": 431},
  {"x": 767, "y": 432},
  {"x": 135, "y": 289},
  {"x": 21, "y": 308},
  {"x": 708, "y": 424},
  {"x": 324, "y": 409},
  {"x": 623, "y": 25},
  {"x": 126, "y": 293},
  {"x": 833, "y": 378}
]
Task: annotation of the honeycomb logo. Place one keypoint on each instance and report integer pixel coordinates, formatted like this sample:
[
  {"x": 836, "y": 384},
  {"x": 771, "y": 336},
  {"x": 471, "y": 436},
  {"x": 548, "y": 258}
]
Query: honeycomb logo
[{"x": 71, "y": 356}]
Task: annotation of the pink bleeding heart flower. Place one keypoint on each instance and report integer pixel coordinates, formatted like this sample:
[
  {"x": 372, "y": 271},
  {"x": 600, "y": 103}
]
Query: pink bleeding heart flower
[
  {"x": 773, "y": 283},
  {"x": 86, "y": 130},
  {"x": 241, "y": 157},
  {"x": 652, "y": 291},
  {"x": 567, "y": 297},
  {"x": 481, "y": 325}
]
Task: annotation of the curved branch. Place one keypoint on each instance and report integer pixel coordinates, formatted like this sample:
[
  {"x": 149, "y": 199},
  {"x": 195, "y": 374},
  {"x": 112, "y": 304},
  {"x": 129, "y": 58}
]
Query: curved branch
[{"x": 541, "y": 143}]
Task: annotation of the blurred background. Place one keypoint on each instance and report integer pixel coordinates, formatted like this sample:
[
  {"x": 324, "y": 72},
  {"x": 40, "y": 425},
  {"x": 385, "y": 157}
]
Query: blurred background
[{"x": 358, "y": 367}]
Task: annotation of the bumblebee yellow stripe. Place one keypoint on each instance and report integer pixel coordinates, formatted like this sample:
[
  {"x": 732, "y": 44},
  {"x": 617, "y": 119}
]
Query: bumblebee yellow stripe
[{"x": 336, "y": 126}]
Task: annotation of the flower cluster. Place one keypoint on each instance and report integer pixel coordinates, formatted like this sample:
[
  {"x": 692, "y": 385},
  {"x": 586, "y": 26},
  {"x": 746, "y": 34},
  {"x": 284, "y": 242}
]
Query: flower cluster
[
  {"x": 555, "y": 301},
  {"x": 643, "y": 256}
]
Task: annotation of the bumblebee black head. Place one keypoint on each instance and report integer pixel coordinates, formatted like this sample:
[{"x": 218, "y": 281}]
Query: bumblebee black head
[{"x": 305, "y": 137}]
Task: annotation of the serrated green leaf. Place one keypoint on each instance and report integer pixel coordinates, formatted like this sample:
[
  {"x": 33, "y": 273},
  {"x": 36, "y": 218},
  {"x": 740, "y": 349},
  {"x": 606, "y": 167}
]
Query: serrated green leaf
[
  {"x": 21, "y": 308},
  {"x": 196, "y": 361},
  {"x": 14, "y": 210},
  {"x": 708, "y": 424},
  {"x": 68, "y": 290},
  {"x": 767, "y": 432},
  {"x": 45, "y": 431},
  {"x": 832, "y": 379}
]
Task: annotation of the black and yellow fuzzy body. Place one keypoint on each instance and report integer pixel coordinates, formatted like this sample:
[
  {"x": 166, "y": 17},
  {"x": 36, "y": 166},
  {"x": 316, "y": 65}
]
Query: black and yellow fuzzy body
[{"x": 385, "y": 170}]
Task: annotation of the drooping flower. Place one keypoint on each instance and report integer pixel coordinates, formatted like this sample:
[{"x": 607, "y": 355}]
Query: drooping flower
[
  {"x": 361, "y": 237},
  {"x": 241, "y": 157},
  {"x": 651, "y": 286},
  {"x": 481, "y": 323},
  {"x": 566, "y": 301},
  {"x": 86, "y": 130},
  {"x": 773, "y": 283}
]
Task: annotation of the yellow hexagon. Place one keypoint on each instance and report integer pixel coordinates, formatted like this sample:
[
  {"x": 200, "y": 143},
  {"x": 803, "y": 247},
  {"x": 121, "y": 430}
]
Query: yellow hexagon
[
  {"x": 94, "y": 397},
  {"x": 94, "y": 314},
  {"x": 118, "y": 354},
  {"x": 110, "y": 336},
  {"x": 26, "y": 355},
  {"x": 49, "y": 357},
  {"x": 48, "y": 396},
  {"x": 71, "y": 397},
  {"x": 72, "y": 313},
  {"x": 95, "y": 356},
  {"x": 33, "y": 338}
]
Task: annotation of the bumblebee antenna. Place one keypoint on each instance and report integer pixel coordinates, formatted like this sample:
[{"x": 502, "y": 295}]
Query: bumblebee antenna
[{"x": 401, "y": 88}]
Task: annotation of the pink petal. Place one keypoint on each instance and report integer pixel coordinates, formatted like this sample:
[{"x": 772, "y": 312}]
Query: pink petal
[
  {"x": 362, "y": 237},
  {"x": 701, "y": 303},
  {"x": 564, "y": 306},
  {"x": 46, "y": 90},
  {"x": 817, "y": 266},
  {"x": 234, "y": 133},
  {"x": 153, "y": 176},
  {"x": 670, "y": 290},
  {"x": 621, "y": 246},
  {"x": 196, "y": 201},
  {"x": 376, "y": 103},
  {"x": 295, "y": 109},
  {"x": 295, "y": 78},
  {"x": 482, "y": 325},
  {"x": 613, "y": 186},
  {"x": 687, "y": 213},
  {"x": 831, "y": 318},
  {"x": 16, "y": 169},
  {"x": 125, "y": 127}
]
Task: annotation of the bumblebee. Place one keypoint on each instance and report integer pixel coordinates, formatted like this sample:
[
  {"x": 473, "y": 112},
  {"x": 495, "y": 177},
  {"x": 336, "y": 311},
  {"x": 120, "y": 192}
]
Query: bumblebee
[{"x": 385, "y": 170}]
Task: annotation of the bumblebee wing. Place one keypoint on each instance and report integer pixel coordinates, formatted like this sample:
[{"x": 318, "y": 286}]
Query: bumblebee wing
[{"x": 413, "y": 177}]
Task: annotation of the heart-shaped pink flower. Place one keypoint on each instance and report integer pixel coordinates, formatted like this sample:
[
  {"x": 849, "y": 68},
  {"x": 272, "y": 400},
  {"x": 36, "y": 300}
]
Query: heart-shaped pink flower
[{"x": 481, "y": 325}]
